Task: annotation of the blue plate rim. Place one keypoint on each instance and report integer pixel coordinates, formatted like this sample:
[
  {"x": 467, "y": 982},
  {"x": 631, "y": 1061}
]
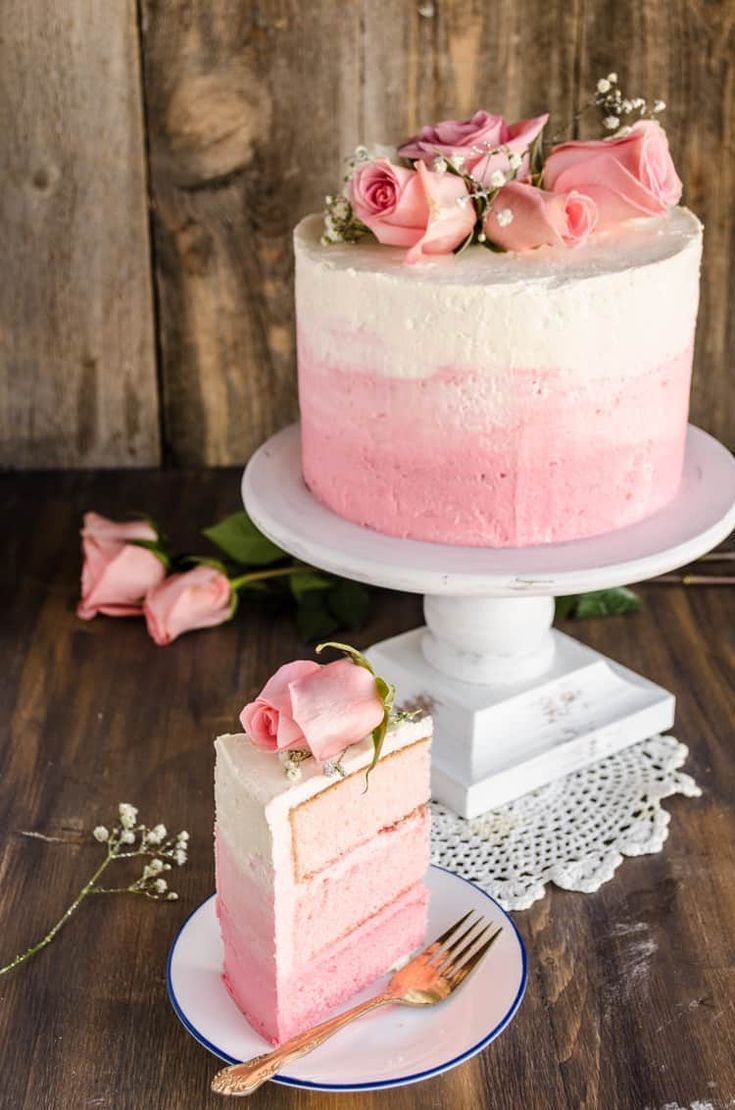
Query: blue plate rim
[{"x": 403, "y": 1081}]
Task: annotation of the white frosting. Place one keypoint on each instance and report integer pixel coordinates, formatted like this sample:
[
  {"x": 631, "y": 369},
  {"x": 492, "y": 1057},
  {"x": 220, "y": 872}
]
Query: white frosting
[
  {"x": 253, "y": 794},
  {"x": 620, "y": 303}
]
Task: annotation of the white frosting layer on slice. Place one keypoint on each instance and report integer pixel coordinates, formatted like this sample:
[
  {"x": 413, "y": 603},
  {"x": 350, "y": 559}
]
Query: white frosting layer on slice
[
  {"x": 254, "y": 796},
  {"x": 619, "y": 303}
]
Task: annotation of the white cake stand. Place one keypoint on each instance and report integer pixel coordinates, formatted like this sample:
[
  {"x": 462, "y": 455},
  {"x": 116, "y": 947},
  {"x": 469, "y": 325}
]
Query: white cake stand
[{"x": 515, "y": 702}]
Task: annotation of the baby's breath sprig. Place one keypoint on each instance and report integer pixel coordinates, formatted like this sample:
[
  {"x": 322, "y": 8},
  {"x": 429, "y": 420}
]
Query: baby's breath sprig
[
  {"x": 126, "y": 840},
  {"x": 480, "y": 194},
  {"x": 616, "y": 109}
]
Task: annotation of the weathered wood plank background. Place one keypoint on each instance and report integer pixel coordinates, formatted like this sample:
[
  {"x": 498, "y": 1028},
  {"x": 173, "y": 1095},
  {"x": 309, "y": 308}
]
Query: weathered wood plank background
[{"x": 127, "y": 341}]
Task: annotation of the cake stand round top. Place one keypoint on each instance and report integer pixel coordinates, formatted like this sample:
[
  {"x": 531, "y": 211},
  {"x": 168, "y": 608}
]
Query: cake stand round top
[{"x": 700, "y": 517}]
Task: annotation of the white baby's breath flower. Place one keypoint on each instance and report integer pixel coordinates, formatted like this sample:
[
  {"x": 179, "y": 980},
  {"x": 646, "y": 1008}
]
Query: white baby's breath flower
[
  {"x": 659, "y": 105},
  {"x": 482, "y": 237},
  {"x": 183, "y": 835},
  {"x": 504, "y": 217},
  {"x": 157, "y": 834},
  {"x": 439, "y": 165},
  {"x": 612, "y": 78},
  {"x": 180, "y": 857},
  {"x": 171, "y": 896},
  {"x": 128, "y": 815},
  {"x": 160, "y": 886},
  {"x": 603, "y": 85},
  {"x": 497, "y": 179},
  {"x": 458, "y": 161},
  {"x": 155, "y": 867},
  {"x": 127, "y": 836},
  {"x": 101, "y": 833},
  {"x": 515, "y": 161},
  {"x": 611, "y": 122}
]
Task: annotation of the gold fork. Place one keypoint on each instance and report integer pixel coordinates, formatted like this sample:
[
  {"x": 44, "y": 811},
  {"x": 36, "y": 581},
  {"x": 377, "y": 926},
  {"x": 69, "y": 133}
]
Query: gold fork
[{"x": 430, "y": 977}]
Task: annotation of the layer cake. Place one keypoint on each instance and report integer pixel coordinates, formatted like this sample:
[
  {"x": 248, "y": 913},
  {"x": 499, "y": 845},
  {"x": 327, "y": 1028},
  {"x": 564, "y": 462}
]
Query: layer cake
[
  {"x": 498, "y": 399},
  {"x": 319, "y": 882}
]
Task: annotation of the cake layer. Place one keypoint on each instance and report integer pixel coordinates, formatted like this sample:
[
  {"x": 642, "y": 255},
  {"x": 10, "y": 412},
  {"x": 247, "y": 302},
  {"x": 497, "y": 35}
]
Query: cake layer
[
  {"x": 563, "y": 460},
  {"x": 625, "y": 299},
  {"x": 352, "y": 814},
  {"x": 323, "y": 908},
  {"x": 498, "y": 399},
  {"x": 301, "y": 999},
  {"x": 254, "y": 798}
]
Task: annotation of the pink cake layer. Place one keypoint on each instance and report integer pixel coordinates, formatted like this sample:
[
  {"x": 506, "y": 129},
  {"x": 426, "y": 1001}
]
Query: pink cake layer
[
  {"x": 304, "y": 997},
  {"x": 316, "y": 912},
  {"x": 443, "y": 459},
  {"x": 398, "y": 785}
]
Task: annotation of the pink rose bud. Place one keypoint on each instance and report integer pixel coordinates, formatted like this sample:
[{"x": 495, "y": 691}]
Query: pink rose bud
[
  {"x": 523, "y": 217},
  {"x": 390, "y": 201},
  {"x": 116, "y": 575},
  {"x": 198, "y": 598},
  {"x": 323, "y": 709},
  {"x": 629, "y": 176},
  {"x": 472, "y": 139},
  {"x": 451, "y": 214}
]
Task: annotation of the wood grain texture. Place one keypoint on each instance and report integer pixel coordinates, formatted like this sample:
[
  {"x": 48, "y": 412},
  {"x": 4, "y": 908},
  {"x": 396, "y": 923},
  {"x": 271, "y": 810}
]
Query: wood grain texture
[
  {"x": 77, "y": 359},
  {"x": 234, "y": 162},
  {"x": 304, "y": 84},
  {"x": 249, "y": 110},
  {"x": 684, "y": 52},
  {"x": 630, "y": 996}
]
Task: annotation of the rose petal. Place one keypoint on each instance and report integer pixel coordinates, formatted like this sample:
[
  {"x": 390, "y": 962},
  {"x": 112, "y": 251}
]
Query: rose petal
[{"x": 336, "y": 707}]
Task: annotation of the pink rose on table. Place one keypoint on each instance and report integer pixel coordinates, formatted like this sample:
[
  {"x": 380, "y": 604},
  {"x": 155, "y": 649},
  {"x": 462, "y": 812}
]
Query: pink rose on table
[
  {"x": 523, "y": 217},
  {"x": 454, "y": 138},
  {"x": 633, "y": 175},
  {"x": 198, "y": 598},
  {"x": 324, "y": 709},
  {"x": 391, "y": 202},
  {"x": 116, "y": 574}
]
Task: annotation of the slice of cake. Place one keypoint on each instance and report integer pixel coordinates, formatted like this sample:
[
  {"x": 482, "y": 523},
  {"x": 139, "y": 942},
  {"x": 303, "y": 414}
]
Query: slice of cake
[
  {"x": 319, "y": 879},
  {"x": 534, "y": 392}
]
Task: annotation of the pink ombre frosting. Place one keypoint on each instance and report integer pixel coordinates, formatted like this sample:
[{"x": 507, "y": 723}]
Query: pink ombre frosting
[
  {"x": 498, "y": 399},
  {"x": 319, "y": 883}
]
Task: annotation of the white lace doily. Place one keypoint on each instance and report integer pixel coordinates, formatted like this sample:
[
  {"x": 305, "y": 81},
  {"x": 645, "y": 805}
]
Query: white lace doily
[{"x": 573, "y": 832}]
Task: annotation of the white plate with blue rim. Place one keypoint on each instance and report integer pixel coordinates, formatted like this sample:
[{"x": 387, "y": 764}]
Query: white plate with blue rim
[{"x": 390, "y": 1047}]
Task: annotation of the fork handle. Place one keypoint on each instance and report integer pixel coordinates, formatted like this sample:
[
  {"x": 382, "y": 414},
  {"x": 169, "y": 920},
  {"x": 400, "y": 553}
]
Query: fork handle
[{"x": 243, "y": 1079}]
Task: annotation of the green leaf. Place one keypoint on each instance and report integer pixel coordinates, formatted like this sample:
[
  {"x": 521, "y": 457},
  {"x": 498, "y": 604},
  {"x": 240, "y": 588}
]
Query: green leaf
[
  {"x": 303, "y": 581},
  {"x": 378, "y": 738},
  {"x": 536, "y": 158},
  {"x": 598, "y": 603},
  {"x": 564, "y": 606},
  {"x": 238, "y": 537},
  {"x": 313, "y": 618},
  {"x": 349, "y": 602}
]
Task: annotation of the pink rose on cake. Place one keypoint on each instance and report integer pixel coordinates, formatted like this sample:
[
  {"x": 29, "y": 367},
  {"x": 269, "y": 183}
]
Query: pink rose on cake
[
  {"x": 321, "y": 708},
  {"x": 632, "y": 175},
  {"x": 523, "y": 217},
  {"x": 468, "y": 141},
  {"x": 452, "y": 214},
  {"x": 198, "y": 598},
  {"x": 117, "y": 573},
  {"x": 429, "y": 212},
  {"x": 390, "y": 200}
]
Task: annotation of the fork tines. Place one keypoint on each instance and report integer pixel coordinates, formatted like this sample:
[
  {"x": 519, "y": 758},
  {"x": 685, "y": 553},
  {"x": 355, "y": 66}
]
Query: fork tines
[{"x": 459, "y": 950}]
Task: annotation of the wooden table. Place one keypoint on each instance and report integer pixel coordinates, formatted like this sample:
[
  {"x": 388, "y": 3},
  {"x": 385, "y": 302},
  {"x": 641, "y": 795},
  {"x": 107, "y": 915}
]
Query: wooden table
[{"x": 631, "y": 996}]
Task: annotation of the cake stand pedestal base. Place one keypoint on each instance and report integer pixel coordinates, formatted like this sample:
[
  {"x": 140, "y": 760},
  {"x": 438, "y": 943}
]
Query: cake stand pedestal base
[
  {"x": 515, "y": 703},
  {"x": 501, "y": 739}
]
